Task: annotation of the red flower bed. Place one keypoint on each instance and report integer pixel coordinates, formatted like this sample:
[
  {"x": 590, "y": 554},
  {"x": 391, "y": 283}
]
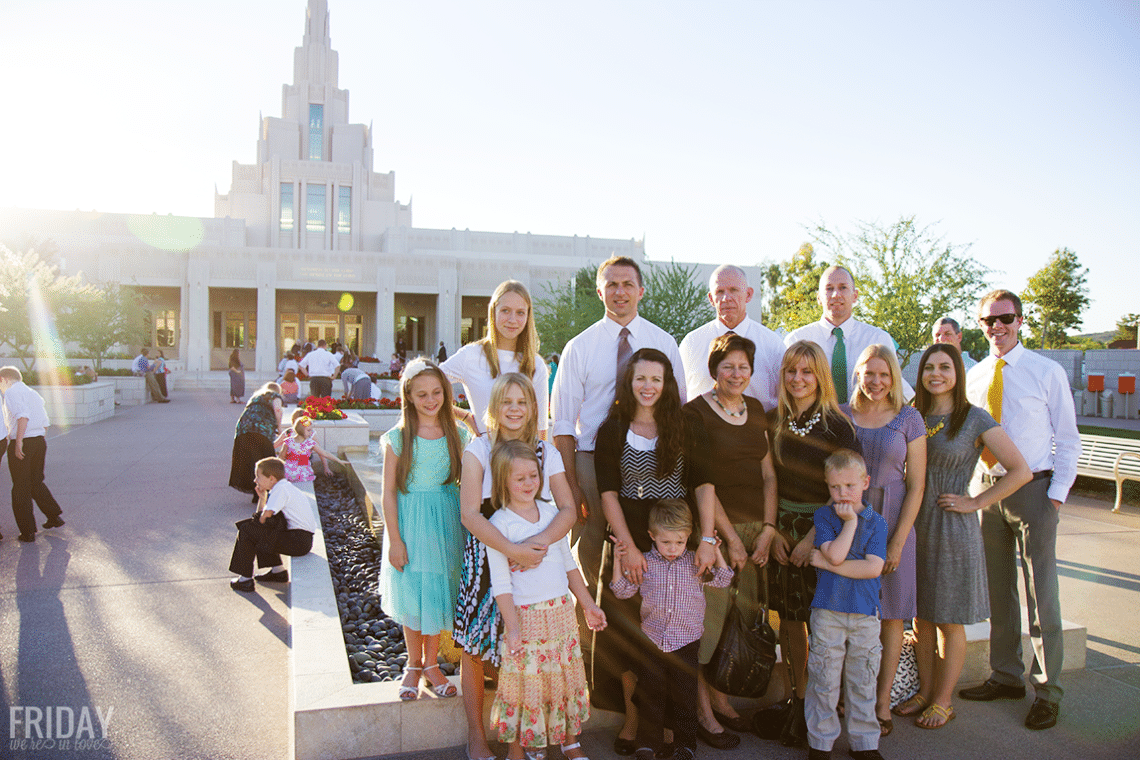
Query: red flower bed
[{"x": 323, "y": 408}]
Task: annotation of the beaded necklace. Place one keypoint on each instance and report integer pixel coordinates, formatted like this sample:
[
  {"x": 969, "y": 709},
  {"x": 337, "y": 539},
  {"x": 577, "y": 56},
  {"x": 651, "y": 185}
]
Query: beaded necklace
[
  {"x": 741, "y": 413},
  {"x": 803, "y": 431}
]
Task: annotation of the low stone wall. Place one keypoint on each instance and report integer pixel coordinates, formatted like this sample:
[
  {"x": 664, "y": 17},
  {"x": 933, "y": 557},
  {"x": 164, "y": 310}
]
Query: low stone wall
[{"x": 72, "y": 405}]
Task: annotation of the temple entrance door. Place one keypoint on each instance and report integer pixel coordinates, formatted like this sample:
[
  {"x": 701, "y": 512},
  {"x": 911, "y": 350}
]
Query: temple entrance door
[{"x": 321, "y": 327}]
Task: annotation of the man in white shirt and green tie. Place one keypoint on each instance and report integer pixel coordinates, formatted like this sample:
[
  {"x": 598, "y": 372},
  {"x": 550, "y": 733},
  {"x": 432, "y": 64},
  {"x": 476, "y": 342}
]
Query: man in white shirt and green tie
[{"x": 842, "y": 337}]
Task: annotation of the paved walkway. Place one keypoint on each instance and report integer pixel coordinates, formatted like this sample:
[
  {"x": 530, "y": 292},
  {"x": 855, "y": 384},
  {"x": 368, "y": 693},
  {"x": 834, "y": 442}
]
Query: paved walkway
[{"x": 126, "y": 609}]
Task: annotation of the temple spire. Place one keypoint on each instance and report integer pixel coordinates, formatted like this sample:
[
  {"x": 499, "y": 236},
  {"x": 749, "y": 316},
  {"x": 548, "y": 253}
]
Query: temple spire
[
  {"x": 315, "y": 62},
  {"x": 317, "y": 23}
]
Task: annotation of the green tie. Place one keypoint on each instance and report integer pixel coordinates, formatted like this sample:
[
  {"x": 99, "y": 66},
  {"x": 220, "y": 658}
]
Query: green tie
[{"x": 839, "y": 365}]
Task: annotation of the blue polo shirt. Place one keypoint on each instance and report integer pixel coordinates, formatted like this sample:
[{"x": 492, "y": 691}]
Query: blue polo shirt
[{"x": 836, "y": 592}]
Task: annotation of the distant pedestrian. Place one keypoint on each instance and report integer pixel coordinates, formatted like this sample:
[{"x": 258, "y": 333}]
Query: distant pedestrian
[
  {"x": 26, "y": 423},
  {"x": 237, "y": 378},
  {"x": 160, "y": 373},
  {"x": 441, "y": 354}
]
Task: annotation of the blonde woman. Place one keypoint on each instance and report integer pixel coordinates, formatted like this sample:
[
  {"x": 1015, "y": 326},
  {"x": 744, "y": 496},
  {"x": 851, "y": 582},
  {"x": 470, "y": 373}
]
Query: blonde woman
[
  {"x": 894, "y": 446},
  {"x": 806, "y": 428},
  {"x": 511, "y": 345},
  {"x": 512, "y": 414}
]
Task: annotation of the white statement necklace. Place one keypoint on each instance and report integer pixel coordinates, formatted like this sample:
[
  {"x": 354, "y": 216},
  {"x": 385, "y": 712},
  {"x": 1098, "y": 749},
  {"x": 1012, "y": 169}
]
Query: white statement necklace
[{"x": 803, "y": 431}]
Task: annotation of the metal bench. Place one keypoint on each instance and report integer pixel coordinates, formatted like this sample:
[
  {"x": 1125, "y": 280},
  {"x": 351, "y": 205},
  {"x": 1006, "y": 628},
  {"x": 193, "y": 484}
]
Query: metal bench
[{"x": 1110, "y": 458}]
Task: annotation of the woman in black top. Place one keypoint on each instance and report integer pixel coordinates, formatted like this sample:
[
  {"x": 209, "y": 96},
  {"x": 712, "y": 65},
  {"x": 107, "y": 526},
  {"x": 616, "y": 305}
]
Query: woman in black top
[
  {"x": 806, "y": 428},
  {"x": 642, "y": 456}
]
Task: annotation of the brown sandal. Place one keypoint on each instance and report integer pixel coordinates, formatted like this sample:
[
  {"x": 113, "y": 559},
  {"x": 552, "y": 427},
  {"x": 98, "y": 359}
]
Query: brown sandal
[{"x": 912, "y": 706}]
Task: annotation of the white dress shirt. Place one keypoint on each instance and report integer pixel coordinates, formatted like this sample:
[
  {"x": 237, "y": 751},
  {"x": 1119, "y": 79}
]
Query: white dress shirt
[
  {"x": 585, "y": 383},
  {"x": 299, "y": 509},
  {"x": 21, "y": 402},
  {"x": 856, "y": 337},
  {"x": 765, "y": 368},
  {"x": 320, "y": 363},
  {"x": 469, "y": 366},
  {"x": 1037, "y": 413}
]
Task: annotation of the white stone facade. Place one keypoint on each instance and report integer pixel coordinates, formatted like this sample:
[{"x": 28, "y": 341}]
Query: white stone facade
[{"x": 309, "y": 243}]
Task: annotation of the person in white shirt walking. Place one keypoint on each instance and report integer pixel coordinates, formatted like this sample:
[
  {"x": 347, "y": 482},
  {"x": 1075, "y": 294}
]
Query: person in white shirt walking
[
  {"x": 1029, "y": 395},
  {"x": 729, "y": 294},
  {"x": 27, "y": 422},
  {"x": 584, "y": 392},
  {"x": 321, "y": 367},
  {"x": 842, "y": 337}
]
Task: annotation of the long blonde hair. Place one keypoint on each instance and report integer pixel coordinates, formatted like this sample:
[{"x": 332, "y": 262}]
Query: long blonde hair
[
  {"x": 498, "y": 390},
  {"x": 410, "y": 423},
  {"x": 526, "y": 346},
  {"x": 859, "y": 399},
  {"x": 826, "y": 402}
]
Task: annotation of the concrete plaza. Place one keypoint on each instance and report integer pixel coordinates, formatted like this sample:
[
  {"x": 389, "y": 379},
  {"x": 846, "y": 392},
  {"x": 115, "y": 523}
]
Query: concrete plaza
[{"x": 126, "y": 610}]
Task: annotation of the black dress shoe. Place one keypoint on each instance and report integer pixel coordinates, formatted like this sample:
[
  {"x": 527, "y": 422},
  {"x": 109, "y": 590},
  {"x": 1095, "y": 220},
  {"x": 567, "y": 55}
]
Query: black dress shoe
[
  {"x": 239, "y": 585},
  {"x": 279, "y": 577},
  {"x": 667, "y": 751},
  {"x": 866, "y": 754},
  {"x": 624, "y": 747},
  {"x": 1042, "y": 715},
  {"x": 739, "y": 724},
  {"x": 54, "y": 522},
  {"x": 27, "y": 538},
  {"x": 991, "y": 690},
  {"x": 818, "y": 754},
  {"x": 723, "y": 740}
]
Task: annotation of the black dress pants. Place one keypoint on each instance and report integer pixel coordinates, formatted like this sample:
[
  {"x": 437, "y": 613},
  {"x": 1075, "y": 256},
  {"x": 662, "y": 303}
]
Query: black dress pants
[
  {"x": 266, "y": 545},
  {"x": 667, "y": 696},
  {"x": 28, "y": 484}
]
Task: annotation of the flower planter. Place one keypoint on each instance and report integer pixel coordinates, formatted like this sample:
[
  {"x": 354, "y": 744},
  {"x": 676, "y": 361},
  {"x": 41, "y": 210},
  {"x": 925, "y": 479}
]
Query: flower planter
[
  {"x": 340, "y": 436},
  {"x": 72, "y": 405}
]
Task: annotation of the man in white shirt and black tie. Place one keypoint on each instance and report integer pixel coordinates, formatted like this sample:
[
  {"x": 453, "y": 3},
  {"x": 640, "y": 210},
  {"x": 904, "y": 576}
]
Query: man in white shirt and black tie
[
  {"x": 1029, "y": 395},
  {"x": 842, "y": 337},
  {"x": 584, "y": 392},
  {"x": 729, "y": 294}
]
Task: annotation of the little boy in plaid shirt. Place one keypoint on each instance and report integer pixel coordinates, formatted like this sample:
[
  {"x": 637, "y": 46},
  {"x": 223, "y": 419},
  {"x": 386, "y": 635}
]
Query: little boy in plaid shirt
[{"x": 672, "y": 616}]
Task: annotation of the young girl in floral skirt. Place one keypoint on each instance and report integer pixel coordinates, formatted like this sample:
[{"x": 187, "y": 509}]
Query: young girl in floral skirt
[
  {"x": 297, "y": 447},
  {"x": 542, "y": 697}
]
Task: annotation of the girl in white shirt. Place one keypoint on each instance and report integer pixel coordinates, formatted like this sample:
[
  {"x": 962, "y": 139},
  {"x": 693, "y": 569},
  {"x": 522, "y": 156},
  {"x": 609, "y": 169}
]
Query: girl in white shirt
[
  {"x": 511, "y": 345},
  {"x": 542, "y": 697}
]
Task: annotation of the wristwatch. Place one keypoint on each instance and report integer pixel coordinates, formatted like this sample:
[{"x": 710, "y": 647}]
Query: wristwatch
[{"x": 709, "y": 540}]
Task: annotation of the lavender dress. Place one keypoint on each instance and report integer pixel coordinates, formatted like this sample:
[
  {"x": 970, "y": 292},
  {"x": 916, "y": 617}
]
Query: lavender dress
[{"x": 884, "y": 449}]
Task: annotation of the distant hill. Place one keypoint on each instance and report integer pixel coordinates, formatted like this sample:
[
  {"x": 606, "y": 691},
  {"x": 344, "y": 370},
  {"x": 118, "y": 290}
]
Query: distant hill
[{"x": 1103, "y": 337}]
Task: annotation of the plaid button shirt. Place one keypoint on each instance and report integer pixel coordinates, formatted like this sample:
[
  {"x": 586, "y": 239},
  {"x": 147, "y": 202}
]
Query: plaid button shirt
[{"x": 672, "y": 599}]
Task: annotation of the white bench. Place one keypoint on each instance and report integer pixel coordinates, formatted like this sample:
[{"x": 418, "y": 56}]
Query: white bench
[{"x": 1110, "y": 458}]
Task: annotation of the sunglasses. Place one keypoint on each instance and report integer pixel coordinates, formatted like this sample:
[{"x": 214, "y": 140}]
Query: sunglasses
[{"x": 1005, "y": 319}]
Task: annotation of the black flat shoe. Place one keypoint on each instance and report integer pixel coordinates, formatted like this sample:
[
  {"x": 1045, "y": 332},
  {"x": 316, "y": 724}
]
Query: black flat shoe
[
  {"x": 27, "y": 538},
  {"x": 739, "y": 724},
  {"x": 240, "y": 585},
  {"x": 624, "y": 747},
  {"x": 280, "y": 577},
  {"x": 723, "y": 740},
  {"x": 1042, "y": 715},
  {"x": 54, "y": 522},
  {"x": 991, "y": 690}
]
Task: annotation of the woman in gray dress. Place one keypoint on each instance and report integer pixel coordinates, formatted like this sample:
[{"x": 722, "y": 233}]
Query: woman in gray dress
[{"x": 951, "y": 571}]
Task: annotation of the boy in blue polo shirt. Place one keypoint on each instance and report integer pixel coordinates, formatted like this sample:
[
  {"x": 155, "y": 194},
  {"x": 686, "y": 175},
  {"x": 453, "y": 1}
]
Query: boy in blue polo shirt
[{"x": 851, "y": 544}]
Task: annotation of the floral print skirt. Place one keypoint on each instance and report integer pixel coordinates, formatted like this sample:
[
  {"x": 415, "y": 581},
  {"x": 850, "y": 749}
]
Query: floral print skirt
[{"x": 542, "y": 697}]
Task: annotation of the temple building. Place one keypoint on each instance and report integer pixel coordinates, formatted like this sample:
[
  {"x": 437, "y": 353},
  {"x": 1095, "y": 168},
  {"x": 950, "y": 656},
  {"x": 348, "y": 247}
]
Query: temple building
[{"x": 310, "y": 242}]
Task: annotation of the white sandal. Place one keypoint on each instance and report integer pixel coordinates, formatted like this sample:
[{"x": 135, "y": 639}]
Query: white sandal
[
  {"x": 535, "y": 754},
  {"x": 409, "y": 693},
  {"x": 575, "y": 745},
  {"x": 445, "y": 689}
]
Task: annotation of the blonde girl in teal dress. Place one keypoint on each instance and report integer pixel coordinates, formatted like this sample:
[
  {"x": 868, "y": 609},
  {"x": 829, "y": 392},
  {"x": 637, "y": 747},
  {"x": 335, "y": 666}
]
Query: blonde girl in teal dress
[{"x": 423, "y": 536}]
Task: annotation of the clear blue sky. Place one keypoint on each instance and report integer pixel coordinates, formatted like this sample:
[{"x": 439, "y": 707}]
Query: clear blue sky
[{"x": 716, "y": 130}]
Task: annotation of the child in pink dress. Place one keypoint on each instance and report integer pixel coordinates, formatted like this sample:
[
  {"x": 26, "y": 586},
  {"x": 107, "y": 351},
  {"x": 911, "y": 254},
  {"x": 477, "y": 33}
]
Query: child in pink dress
[{"x": 296, "y": 447}]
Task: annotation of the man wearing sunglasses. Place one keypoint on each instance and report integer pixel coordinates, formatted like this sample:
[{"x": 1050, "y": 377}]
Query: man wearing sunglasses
[{"x": 1029, "y": 395}]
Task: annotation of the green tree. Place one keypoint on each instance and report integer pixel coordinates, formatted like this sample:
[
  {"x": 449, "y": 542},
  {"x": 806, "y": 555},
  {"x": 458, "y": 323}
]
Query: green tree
[
  {"x": 907, "y": 276},
  {"x": 102, "y": 317},
  {"x": 566, "y": 309},
  {"x": 1055, "y": 297},
  {"x": 1126, "y": 327},
  {"x": 32, "y": 293},
  {"x": 676, "y": 299},
  {"x": 793, "y": 285}
]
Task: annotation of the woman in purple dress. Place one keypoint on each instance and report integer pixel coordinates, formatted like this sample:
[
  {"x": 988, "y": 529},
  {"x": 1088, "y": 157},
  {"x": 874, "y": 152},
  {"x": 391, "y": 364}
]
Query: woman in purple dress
[{"x": 893, "y": 438}]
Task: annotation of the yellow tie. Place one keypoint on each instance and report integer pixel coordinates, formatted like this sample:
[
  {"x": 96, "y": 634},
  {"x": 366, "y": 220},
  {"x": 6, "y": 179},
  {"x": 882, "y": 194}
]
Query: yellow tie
[{"x": 993, "y": 406}]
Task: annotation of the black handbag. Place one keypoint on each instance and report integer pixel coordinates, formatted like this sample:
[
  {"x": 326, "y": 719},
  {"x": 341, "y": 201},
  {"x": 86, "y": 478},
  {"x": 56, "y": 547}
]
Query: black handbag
[{"x": 746, "y": 653}]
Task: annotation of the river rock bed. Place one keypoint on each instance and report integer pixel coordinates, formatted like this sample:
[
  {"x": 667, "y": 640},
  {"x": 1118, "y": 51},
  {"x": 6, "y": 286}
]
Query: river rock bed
[{"x": 373, "y": 642}]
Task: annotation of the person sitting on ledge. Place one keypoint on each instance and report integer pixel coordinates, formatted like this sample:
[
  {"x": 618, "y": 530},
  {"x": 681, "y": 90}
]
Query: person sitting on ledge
[{"x": 266, "y": 540}]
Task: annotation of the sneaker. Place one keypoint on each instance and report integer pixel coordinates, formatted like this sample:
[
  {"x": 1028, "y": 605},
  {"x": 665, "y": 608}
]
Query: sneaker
[
  {"x": 279, "y": 577},
  {"x": 54, "y": 522}
]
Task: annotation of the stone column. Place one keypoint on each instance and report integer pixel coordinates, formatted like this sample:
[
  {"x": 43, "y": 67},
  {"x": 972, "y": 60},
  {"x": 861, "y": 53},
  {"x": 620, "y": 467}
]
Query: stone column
[
  {"x": 385, "y": 314},
  {"x": 196, "y": 329},
  {"x": 447, "y": 311},
  {"x": 266, "y": 353}
]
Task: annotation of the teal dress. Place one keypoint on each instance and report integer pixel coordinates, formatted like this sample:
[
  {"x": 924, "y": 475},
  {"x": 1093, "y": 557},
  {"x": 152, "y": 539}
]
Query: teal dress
[{"x": 422, "y": 597}]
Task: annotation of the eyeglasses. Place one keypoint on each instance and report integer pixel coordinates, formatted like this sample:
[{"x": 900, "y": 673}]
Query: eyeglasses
[{"x": 1005, "y": 319}]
